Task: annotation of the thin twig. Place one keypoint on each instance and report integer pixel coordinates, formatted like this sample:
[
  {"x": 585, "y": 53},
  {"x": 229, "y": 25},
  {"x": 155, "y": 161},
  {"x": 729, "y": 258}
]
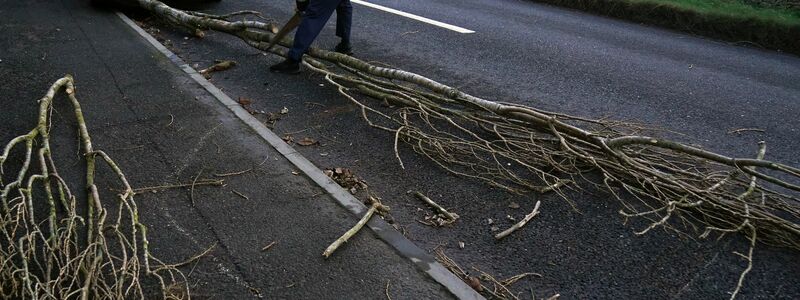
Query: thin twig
[
  {"x": 450, "y": 216},
  {"x": 267, "y": 247},
  {"x": 740, "y": 130},
  {"x": 191, "y": 190},
  {"x": 240, "y": 194},
  {"x": 350, "y": 233},
  {"x": 180, "y": 185},
  {"x": 521, "y": 223},
  {"x": 233, "y": 173}
]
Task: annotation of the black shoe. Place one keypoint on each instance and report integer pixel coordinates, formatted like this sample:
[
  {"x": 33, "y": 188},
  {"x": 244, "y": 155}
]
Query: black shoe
[
  {"x": 344, "y": 48},
  {"x": 288, "y": 66}
]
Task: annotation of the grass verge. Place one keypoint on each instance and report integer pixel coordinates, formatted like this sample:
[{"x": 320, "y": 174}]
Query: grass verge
[{"x": 730, "y": 20}]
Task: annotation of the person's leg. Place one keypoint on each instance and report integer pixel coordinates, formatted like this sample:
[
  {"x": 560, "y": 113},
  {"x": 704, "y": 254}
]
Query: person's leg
[
  {"x": 314, "y": 19},
  {"x": 344, "y": 19}
]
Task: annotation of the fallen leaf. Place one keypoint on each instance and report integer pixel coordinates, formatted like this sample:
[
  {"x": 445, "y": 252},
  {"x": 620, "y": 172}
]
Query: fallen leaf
[
  {"x": 288, "y": 139},
  {"x": 245, "y": 101},
  {"x": 475, "y": 283},
  {"x": 306, "y": 141}
]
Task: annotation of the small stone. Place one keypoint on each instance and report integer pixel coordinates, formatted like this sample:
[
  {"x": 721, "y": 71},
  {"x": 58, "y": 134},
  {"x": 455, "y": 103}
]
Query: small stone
[
  {"x": 295, "y": 173},
  {"x": 284, "y": 110},
  {"x": 494, "y": 228},
  {"x": 510, "y": 218},
  {"x": 489, "y": 221},
  {"x": 461, "y": 245}
]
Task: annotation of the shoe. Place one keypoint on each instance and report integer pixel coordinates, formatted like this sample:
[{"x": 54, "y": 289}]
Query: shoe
[
  {"x": 288, "y": 66},
  {"x": 344, "y": 48}
]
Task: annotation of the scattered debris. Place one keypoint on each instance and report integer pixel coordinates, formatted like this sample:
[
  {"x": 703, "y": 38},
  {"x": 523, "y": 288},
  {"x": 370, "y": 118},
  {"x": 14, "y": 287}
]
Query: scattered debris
[
  {"x": 284, "y": 110},
  {"x": 220, "y": 65},
  {"x": 521, "y": 223},
  {"x": 499, "y": 289},
  {"x": 513, "y": 205},
  {"x": 295, "y": 173},
  {"x": 346, "y": 179},
  {"x": 267, "y": 247},
  {"x": 442, "y": 218},
  {"x": 461, "y": 245}
]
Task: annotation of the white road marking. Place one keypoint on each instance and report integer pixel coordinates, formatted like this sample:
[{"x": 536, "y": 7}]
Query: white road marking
[{"x": 413, "y": 16}]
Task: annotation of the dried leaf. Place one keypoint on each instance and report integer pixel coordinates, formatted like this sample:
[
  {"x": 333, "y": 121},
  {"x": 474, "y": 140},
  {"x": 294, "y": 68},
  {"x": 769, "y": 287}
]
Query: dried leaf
[
  {"x": 475, "y": 283},
  {"x": 245, "y": 101},
  {"x": 306, "y": 141}
]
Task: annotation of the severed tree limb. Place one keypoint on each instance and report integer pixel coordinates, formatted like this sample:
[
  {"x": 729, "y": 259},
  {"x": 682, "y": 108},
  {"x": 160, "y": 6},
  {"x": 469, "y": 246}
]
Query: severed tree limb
[
  {"x": 521, "y": 149},
  {"x": 350, "y": 233},
  {"x": 521, "y": 223}
]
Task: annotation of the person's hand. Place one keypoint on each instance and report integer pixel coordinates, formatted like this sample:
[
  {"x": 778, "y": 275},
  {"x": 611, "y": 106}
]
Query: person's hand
[{"x": 302, "y": 5}]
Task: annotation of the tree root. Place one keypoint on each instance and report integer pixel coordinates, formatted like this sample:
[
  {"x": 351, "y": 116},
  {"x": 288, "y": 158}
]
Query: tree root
[{"x": 83, "y": 248}]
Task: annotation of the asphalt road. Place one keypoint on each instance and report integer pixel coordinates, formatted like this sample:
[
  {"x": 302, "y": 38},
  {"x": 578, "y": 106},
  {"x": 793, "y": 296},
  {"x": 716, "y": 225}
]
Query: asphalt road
[{"x": 559, "y": 60}]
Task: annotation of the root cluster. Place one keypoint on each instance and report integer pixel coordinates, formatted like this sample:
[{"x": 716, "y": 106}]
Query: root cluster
[{"x": 56, "y": 244}]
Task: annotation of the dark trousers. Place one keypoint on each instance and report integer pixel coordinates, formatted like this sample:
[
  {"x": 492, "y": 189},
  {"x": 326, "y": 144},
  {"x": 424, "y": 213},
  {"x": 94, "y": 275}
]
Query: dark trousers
[{"x": 314, "y": 19}]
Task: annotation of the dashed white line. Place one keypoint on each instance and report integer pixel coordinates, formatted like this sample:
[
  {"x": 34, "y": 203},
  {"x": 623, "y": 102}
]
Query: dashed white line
[{"x": 413, "y": 16}]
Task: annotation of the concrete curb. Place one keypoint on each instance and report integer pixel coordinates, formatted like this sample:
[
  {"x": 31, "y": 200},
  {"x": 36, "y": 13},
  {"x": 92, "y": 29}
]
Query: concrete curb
[{"x": 421, "y": 259}]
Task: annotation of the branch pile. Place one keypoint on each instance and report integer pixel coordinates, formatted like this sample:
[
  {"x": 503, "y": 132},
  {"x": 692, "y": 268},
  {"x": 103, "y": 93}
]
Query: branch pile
[
  {"x": 55, "y": 246},
  {"x": 522, "y": 149}
]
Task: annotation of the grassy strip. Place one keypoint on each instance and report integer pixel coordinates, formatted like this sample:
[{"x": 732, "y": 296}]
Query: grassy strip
[{"x": 730, "y": 20}]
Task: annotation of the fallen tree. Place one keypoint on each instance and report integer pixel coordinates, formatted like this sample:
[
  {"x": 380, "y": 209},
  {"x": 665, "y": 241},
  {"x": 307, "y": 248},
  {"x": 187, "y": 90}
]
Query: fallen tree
[
  {"x": 54, "y": 244},
  {"x": 523, "y": 149}
]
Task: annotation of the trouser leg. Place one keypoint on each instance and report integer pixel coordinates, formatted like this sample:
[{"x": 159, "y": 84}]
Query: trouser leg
[
  {"x": 314, "y": 19},
  {"x": 344, "y": 19}
]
